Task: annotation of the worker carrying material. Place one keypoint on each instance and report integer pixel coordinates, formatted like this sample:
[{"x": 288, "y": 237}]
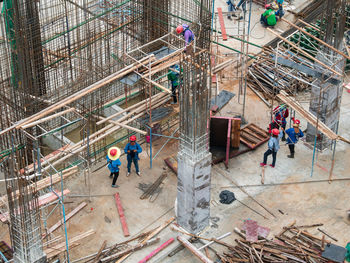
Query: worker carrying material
[
  {"x": 132, "y": 149},
  {"x": 268, "y": 18},
  {"x": 281, "y": 114},
  {"x": 280, "y": 11},
  {"x": 186, "y": 33},
  {"x": 113, "y": 164},
  {"x": 273, "y": 147},
  {"x": 173, "y": 77},
  {"x": 293, "y": 137}
]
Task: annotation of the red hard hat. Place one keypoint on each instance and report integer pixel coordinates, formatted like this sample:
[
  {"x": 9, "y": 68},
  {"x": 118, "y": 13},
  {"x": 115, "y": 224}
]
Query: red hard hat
[
  {"x": 296, "y": 122},
  {"x": 133, "y": 138},
  {"x": 179, "y": 29},
  {"x": 267, "y": 6},
  {"x": 113, "y": 152},
  {"x": 275, "y": 132}
]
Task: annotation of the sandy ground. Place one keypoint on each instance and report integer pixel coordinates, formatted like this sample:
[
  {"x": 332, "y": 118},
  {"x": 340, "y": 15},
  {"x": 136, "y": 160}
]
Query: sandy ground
[{"x": 306, "y": 203}]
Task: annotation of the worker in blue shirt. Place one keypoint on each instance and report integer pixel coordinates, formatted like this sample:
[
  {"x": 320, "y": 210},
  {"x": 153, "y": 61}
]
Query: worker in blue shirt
[
  {"x": 132, "y": 150},
  {"x": 280, "y": 11},
  {"x": 113, "y": 164},
  {"x": 273, "y": 147},
  {"x": 293, "y": 137}
]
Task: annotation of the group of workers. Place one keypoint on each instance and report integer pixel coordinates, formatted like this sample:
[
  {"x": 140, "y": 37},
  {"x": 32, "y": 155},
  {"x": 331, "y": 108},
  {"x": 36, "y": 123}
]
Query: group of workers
[
  {"x": 268, "y": 18},
  {"x": 132, "y": 150},
  {"x": 277, "y": 129}
]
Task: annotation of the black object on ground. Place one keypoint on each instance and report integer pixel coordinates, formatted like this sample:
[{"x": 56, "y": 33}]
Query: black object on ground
[
  {"x": 227, "y": 197},
  {"x": 222, "y": 99}
]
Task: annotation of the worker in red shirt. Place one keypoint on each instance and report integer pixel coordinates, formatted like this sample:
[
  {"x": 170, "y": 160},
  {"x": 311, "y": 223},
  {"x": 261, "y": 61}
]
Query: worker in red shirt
[{"x": 281, "y": 114}]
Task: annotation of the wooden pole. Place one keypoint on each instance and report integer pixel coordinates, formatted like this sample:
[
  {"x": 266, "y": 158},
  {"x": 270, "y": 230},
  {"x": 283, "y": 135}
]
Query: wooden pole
[
  {"x": 103, "y": 82},
  {"x": 47, "y": 118},
  {"x": 304, "y": 52},
  {"x": 316, "y": 38},
  {"x": 194, "y": 250}
]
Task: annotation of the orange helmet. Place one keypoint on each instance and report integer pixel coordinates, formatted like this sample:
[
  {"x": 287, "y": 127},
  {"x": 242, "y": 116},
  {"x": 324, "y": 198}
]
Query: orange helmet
[
  {"x": 275, "y": 132},
  {"x": 133, "y": 138},
  {"x": 179, "y": 29}
]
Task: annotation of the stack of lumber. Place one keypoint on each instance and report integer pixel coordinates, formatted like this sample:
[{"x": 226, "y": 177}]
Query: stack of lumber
[
  {"x": 261, "y": 76},
  {"x": 292, "y": 244}
]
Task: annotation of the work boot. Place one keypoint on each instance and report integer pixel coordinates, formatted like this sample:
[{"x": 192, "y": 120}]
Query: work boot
[
  {"x": 283, "y": 138},
  {"x": 127, "y": 174},
  {"x": 262, "y": 164},
  {"x": 229, "y": 17},
  {"x": 291, "y": 155},
  {"x": 138, "y": 173},
  {"x": 115, "y": 186}
]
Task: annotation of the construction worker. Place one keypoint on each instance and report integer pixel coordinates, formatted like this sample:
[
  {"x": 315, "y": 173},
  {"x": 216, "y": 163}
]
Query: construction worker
[
  {"x": 113, "y": 161},
  {"x": 280, "y": 11},
  {"x": 281, "y": 114},
  {"x": 132, "y": 150},
  {"x": 173, "y": 77},
  {"x": 186, "y": 33},
  {"x": 268, "y": 18},
  {"x": 273, "y": 147},
  {"x": 232, "y": 7},
  {"x": 293, "y": 136}
]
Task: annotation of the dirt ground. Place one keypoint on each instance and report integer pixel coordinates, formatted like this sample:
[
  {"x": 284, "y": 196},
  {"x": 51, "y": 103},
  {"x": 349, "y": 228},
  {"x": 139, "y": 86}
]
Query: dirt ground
[{"x": 309, "y": 203}]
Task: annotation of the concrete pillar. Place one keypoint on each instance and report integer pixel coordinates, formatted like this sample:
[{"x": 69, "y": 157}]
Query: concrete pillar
[
  {"x": 325, "y": 103},
  {"x": 193, "y": 193}
]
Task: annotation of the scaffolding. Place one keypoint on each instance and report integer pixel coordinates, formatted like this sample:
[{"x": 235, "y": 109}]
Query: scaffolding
[{"x": 63, "y": 65}]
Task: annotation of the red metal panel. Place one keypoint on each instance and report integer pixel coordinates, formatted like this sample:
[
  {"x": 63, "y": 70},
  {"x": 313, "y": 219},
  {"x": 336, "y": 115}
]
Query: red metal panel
[
  {"x": 121, "y": 215},
  {"x": 222, "y": 24}
]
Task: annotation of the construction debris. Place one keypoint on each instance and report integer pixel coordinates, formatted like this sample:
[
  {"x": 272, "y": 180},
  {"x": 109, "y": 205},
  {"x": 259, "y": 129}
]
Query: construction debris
[
  {"x": 121, "y": 215},
  {"x": 293, "y": 244}
]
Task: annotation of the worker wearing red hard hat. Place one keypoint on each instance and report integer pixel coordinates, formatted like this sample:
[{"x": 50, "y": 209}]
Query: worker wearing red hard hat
[
  {"x": 268, "y": 18},
  {"x": 186, "y": 33},
  {"x": 113, "y": 163},
  {"x": 132, "y": 150},
  {"x": 281, "y": 114},
  {"x": 293, "y": 136},
  {"x": 273, "y": 147}
]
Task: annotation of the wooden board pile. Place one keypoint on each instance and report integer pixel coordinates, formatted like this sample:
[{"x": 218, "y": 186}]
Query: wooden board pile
[
  {"x": 261, "y": 76},
  {"x": 292, "y": 244}
]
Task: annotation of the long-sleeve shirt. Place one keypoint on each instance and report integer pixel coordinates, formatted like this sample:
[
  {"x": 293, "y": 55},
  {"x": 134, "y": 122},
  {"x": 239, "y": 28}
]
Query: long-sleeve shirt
[
  {"x": 293, "y": 137},
  {"x": 188, "y": 34},
  {"x": 173, "y": 76},
  {"x": 274, "y": 143},
  {"x": 131, "y": 148},
  {"x": 270, "y": 17},
  {"x": 113, "y": 166}
]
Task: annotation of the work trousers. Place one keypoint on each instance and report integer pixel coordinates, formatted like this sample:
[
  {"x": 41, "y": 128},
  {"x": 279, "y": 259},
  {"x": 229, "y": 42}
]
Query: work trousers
[
  {"x": 136, "y": 162},
  {"x": 291, "y": 148},
  {"x": 263, "y": 20},
  {"x": 173, "y": 93},
  {"x": 274, "y": 155},
  {"x": 115, "y": 177}
]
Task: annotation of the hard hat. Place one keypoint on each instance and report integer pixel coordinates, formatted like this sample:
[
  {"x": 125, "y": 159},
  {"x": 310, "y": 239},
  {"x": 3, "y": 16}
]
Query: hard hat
[
  {"x": 114, "y": 153},
  {"x": 133, "y": 138},
  {"x": 296, "y": 122},
  {"x": 179, "y": 29},
  {"x": 267, "y": 6},
  {"x": 275, "y": 131}
]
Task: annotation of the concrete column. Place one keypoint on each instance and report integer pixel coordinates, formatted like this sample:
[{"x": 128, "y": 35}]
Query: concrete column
[
  {"x": 325, "y": 103},
  {"x": 193, "y": 196}
]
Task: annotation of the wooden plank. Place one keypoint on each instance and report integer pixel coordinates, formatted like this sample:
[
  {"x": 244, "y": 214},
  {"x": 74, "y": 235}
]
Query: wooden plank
[
  {"x": 68, "y": 216},
  {"x": 157, "y": 250},
  {"x": 304, "y": 52},
  {"x": 252, "y": 133},
  {"x": 222, "y": 24},
  {"x": 101, "y": 83},
  {"x": 31, "y": 124},
  {"x": 57, "y": 249},
  {"x": 194, "y": 250},
  {"x": 283, "y": 96},
  {"x": 42, "y": 200},
  {"x": 258, "y": 130},
  {"x": 246, "y": 142},
  {"x": 153, "y": 234},
  {"x": 249, "y": 137},
  {"x": 236, "y": 133},
  {"x": 121, "y": 215},
  {"x": 98, "y": 256}
]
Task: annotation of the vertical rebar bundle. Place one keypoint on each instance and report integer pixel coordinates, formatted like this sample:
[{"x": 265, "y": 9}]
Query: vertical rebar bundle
[{"x": 194, "y": 97}]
